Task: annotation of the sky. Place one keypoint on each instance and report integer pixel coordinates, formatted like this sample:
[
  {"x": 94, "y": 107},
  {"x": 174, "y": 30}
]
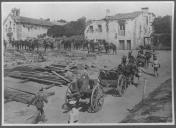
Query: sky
[{"x": 71, "y": 11}]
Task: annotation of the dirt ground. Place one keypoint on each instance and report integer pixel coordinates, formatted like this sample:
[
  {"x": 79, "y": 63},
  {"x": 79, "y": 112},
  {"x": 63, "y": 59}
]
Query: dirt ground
[{"x": 114, "y": 108}]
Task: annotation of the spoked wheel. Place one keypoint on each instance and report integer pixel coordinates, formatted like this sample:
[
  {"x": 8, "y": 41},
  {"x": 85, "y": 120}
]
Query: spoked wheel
[
  {"x": 65, "y": 106},
  {"x": 121, "y": 85},
  {"x": 97, "y": 99},
  {"x": 68, "y": 93}
]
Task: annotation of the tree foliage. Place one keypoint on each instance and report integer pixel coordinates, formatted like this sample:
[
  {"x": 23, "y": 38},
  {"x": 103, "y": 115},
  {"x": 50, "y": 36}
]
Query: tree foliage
[
  {"x": 162, "y": 24},
  {"x": 70, "y": 29},
  {"x": 162, "y": 31}
]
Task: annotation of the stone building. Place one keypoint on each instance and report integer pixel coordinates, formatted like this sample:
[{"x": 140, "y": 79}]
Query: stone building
[
  {"x": 16, "y": 27},
  {"x": 125, "y": 30}
]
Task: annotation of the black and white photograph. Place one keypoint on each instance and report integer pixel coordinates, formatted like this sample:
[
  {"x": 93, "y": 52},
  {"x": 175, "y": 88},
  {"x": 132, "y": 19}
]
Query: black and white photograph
[{"x": 87, "y": 63}]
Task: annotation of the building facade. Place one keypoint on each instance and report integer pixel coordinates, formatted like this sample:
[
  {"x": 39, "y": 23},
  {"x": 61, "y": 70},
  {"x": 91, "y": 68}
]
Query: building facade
[
  {"x": 16, "y": 27},
  {"x": 125, "y": 30}
]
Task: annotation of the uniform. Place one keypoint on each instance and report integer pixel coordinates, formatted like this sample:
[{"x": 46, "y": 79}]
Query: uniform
[
  {"x": 156, "y": 65},
  {"x": 38, "y": 101}
]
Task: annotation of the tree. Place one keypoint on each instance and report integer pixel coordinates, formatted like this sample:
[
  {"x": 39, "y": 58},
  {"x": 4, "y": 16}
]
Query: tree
[
  {"x": 162, "y": 24},
  {"x": 162, "y": 31},
  {"x": 70, "y": 29}
]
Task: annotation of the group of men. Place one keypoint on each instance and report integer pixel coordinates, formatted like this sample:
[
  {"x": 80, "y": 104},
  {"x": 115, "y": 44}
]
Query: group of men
[
  {"x": 129, "y": 67},
  {"x": 134, "y": 66}
]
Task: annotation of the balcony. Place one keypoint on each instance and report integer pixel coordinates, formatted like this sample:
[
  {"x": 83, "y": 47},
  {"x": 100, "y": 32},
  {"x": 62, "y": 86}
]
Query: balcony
[{"x": 121, "y": 32}]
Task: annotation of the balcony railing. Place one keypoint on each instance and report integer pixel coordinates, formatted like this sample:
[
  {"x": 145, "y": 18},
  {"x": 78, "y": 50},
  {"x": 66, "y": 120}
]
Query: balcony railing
[{"x": 122, "y": 32}]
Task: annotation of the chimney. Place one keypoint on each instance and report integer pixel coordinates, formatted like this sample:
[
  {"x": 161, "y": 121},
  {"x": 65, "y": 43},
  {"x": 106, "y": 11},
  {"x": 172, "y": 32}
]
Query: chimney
[
  {"x": 107, "y": 12},
  {"x": 145, "y": 9},
  {"x": 15, "y": 12}
]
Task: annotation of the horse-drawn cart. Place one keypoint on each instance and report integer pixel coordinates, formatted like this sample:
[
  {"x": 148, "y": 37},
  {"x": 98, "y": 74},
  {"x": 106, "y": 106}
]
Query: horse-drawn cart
[
  {"x": 114, "y": 79},
  {"x": 85, "y": 88}
]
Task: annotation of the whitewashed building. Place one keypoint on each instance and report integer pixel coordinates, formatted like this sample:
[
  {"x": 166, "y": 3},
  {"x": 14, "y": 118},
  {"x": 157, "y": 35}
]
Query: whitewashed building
[
  {"x": 125, "y": 30},
  {"x": 16, "y": 27}
]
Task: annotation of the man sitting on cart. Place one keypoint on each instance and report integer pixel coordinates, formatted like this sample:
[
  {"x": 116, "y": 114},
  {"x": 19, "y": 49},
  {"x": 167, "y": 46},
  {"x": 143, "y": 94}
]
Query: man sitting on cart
[{"x": 80, "y": 86}]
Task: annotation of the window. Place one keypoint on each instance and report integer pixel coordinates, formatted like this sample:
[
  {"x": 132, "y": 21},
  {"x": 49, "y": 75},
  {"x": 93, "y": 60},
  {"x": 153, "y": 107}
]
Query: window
[
  {"x": 91, "y": 28},
  {"x": 122, "y": 24},
  {"x": 140, "y": 30},
  {"x": 99, "y": 28},
  {"x": 122, "y": 44},
  {"x": 147, "y": 20},
  {"x": 121, "y": 27},
  {"x": 6, "y": 27},
  {"x": 107, "y": 26},
  {"x": 115, "y": 36},
  {"x": 129, "y": 44}
]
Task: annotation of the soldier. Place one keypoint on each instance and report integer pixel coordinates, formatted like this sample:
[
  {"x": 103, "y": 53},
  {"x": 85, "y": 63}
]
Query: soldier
[
  {"x": 147, "y": 56},
  {"x": 84, "y": 84},
  {"x": 122, "y": 66},
  {"x": 38, "y": 101},
  {"x": 155, "y": 66},
  {"x": 154, "y": 53},
  {"x": 131, "y": 58}
]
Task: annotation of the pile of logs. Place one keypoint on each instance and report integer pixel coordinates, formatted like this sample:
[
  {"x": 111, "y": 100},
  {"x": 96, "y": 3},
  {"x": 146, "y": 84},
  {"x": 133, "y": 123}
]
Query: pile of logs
[{"x": 53, "y": 74}]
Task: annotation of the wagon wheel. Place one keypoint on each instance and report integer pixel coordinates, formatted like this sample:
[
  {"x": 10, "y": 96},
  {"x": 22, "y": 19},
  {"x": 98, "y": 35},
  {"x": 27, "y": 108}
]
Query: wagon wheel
[
  {"x": 121, "y": 85},
  {"x": 68, "y": 93},
  {"x": 97, "y": 99}
]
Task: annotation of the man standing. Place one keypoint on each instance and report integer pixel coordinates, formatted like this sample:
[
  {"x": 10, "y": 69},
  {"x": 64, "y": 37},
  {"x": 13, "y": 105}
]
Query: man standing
[
  {"x": 155, "y": 65},
  {"x": 38, "y": 101}
]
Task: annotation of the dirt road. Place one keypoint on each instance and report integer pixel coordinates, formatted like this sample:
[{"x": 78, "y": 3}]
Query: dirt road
[{"x": 114, "y": 108}]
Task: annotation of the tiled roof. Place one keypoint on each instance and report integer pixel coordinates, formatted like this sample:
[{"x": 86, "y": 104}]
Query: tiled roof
[
  {"x": 124, "y": 15},
  {"x": 27, "y": 20}
]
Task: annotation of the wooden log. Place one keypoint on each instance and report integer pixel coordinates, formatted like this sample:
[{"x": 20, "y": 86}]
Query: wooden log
[
  {"x": 35, "y": 79},
  {"x": 18, "y": 96},
  {"x": 59, "y": 65},
  {"x": 61, "y": 76},
  {"x": 57, "y": 68},
  {"x": 22, "y": 90},
  {"x": 49, "y": 77}
]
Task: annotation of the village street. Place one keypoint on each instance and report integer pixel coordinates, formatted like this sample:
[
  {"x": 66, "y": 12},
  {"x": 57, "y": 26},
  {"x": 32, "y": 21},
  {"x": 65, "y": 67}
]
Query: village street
[{"x": 114, "y": 108}]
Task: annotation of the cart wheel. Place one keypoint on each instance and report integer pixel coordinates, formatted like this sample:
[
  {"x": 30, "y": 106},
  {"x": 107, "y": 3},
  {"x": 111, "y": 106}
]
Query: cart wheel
[
  {"x": 97, "y": 99},
  {"x": 68, "y": 93},
  {"x": 121, "y": 85}
]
